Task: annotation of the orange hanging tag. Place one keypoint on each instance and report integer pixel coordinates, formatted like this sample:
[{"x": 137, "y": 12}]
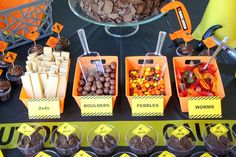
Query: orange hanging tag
[
  {"x": 209, "y": 42},
  {"x": 3, "y": 46},
  {"x": 10, "y": 57},
  {"x": 57, "y": 27},
  {"x": 32, "y": 35},
  {"x": 52, "y": 41}
]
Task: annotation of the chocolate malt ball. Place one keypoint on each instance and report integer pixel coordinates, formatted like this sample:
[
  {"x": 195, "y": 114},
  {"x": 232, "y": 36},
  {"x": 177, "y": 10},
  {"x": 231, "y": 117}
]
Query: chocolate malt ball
[
  {"x": 87, "y": 88},
  {"x": 108, "y": 79},
  {"x": 98, "y": 82},
  {"x": 113, "y": 75},
  {"x": 107, "y": 84},
  {"x": 99, "y": 86},
  {"x": 106, "y": 90},
  {"x": 106, "y": 75},
  {"x": 93, "y": 88},
  {"x": 113, "y": 65},
  {"x": 84, "y": 93},
  {"x": 108, "y": 70},
  {"x": 112, "y": 92},
  {"x": 112, "y": 81},
  {"x": 112, "y": 87},
  {"x": 80, "y": 89},
  {"x": 90, "y": 79},
  {"x": 99, "y": 91},
  {"x": 81, "y": 83}
]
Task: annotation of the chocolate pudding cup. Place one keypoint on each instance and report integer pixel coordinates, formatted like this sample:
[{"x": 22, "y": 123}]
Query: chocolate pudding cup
[
  {"x": 185, "y": 50},
  {"x": 38, "y": 49},
  {"x": 14, "y": 74}
]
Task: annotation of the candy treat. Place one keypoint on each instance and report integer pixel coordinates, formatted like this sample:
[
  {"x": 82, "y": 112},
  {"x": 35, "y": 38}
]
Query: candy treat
[
  {"x": 67, "y": 146},
  {"x": 104, "y": 145},
  {"x": 5, "y": 90},
  {"x": 36, "y": 49},
  {"x": 47, "y": 74},
  {"x": 14, "y": 74},
  {"x": 141, "y": 146},
  {"x": 220, "y": 146},
  {"x": 62, "y": 44},
  {"x": 185, "y": 50},
  {"x": 3, "y": 64},
  {"x": 180, "y": 147},
  {"x": 120, "y": 11},
  {"x": 33, "y": 144},
  {"x": 99, "y": 83},
  {"x": 195, "y": 81},
  {"x": 148, "y": 82}
]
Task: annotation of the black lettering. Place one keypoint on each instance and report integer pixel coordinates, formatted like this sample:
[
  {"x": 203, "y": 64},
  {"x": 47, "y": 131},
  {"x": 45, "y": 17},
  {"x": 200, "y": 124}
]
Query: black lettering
[
  {"x": 167, "y": 126},
  {"x": 47, "y": 132},
  {"x": 10, "y": 136},
  {"x": 205, "y": 107},
  {"x": 198, "y": 131}
]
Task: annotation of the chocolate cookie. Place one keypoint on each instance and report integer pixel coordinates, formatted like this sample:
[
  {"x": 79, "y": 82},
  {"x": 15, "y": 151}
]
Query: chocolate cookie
[
  {"x": 217, "y": 146},
  {"x": 104, "y": 145},
  {"x": 142, "y": 146}
]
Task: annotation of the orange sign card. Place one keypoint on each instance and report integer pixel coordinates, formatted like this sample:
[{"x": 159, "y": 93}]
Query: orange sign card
[
  {"x": 32, "y": 35},
  {"x": 3, "y": 46},
  {"x": 10, "y": 57},
  {"x": 187, "y": 37},
  {"x": 57, "y": 27},
  {"x": 52, "y": 41},
  {"x": 1, "y": 71},
  {"x": 209, "y": 42}
]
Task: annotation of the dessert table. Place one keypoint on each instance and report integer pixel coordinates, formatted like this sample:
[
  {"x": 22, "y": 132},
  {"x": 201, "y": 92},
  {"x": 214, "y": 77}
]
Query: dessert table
[{"x": 13, "y": 111}]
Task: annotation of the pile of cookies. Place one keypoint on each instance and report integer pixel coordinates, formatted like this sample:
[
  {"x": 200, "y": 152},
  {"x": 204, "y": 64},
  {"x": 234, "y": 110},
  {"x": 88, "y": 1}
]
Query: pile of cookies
[{"x": 120, "y": 11}]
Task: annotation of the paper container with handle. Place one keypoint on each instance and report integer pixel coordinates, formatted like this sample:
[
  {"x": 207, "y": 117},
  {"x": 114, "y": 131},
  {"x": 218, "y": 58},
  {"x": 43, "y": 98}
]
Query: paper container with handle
[
  {"x": 24, "y": 98},
  {"x": 89, "y": 105},
  {"x": 181, "y": 62},
  {"x": 137, "y": 61}
]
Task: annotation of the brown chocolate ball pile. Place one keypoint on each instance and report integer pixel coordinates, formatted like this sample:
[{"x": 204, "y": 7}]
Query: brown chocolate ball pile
[{"x": 99, "y": 83}]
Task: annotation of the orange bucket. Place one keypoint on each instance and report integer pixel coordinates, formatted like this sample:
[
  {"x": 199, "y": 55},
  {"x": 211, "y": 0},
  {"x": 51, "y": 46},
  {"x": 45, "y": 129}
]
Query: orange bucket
[
  {"x": 15, "y": 25},
  {"x": 133, "y": 62},
  {"x": 24, "y": 98},
  {"x": 78, "y": 98},
  {"x": 180, "y": 62}
]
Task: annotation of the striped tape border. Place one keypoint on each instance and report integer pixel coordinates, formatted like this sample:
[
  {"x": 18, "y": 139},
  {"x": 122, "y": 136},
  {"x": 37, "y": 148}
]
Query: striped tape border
[
  {"x": 96, "y": 114},
  {"x": 204, "y": 98},
  {"x": 138, "y": 114},
  {"x": 205, "y": 116},
  {"x": 147, "y": 97}
]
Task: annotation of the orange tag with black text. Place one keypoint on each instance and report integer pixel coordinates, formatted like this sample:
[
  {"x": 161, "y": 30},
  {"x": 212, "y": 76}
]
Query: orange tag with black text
[
  {"x": 10, "y": 57},
  {"x": 187, "y": 37},
  {"x": 57, "y": 27},
  {"x": 209, "y": 42},
  {"x": 52, "y": 41},
  {"x": 32, "y": 36},
  {"x": 1, "y": 71},
  {"x": 3, "y": 46}
]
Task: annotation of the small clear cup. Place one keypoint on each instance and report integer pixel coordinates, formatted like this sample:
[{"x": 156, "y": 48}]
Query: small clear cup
[
  {"x": 214, "y": 150},
  {"x": 88, "y": 152},
  {"x": 191, "y": 136},
  {"x": 152, "y": 134},
  {"x": 67, "y": 151},
  {"x": 50, "y": 152},
  {"x": 35, "y": 149},
  {"x": 91, "y": 136}
]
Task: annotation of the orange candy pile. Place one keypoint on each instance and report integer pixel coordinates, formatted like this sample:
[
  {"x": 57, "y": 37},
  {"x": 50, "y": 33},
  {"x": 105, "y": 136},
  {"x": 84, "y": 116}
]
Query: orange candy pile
[{"x": 146, "y": 83}]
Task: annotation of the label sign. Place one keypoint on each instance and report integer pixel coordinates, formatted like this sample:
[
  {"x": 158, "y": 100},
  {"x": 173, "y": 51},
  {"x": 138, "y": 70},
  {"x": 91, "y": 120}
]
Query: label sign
[
  {"x": 57, "y": 27},
  {"x": 32, "y": 35},
  {"x": 206, "y": 155},
  {"x": 3, "y": 46},
  {"x": 147, "y": 105},
  {"x": 103, "y": 130},
  {"x": 209, "y": 42},
  {"x": 10, "y": 57},
  {"x": 166, "y": 154},
  {"x": 52, "y": 42},
  {"x": 1, "y": 154},
  {"x": 96, "y": 106},
  {"x": 44, "y": 108},
  {"x": 141, "y": 130},
  {"x": 204, "y": 107},
  {"x": 180, "y": 132},
  {"x": 66, "y": 129},
  {"x": 219, "y": 130},
  {"x": 26, "y": 130},
  {"x": 82, "y": 153},
  {"x": 42, "y": 154},
  {"x": 124, "y": 155}
]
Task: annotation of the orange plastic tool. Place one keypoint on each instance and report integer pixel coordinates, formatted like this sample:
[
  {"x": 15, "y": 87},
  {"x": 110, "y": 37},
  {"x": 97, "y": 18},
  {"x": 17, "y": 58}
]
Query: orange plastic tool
[{"x": 183, "y": 18}]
